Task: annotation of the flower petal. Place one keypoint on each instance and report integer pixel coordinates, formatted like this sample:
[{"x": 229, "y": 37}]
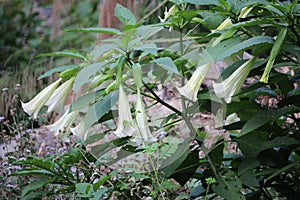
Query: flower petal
[
  {"x": 191, "y": 88},
  {"x": 126, "y": 125},
  {"x": 143, "y": 136},
  {"x": 57, "y": 99},
  {"x": 233, "y": 83},
  {"x": 61, "y": 128},
  {"x": 34, "y": 106}
]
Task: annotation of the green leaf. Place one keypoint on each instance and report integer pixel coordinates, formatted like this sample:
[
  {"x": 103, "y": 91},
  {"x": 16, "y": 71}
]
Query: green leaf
[
  {"x": 84, "y": 74},
  {"x": 124, "y": 15},
  {"x": 228, "y": 186},
  {"x": 103, "y": 30},
  {"x": 203, "y": 2},
  {"x": 258, "y": 40},
  {"x": 167, "y": 64},
  {"x": 69, "y": 73},
  {"x": 264, "y": 117},
  {"x": 42, "y": 163},
  {"x": 85, "y": 100},
  {"x": 274, "y": 52},
  {"x": 284, "y": 169},
  {"x": 216, "y": 154},
  {"x": 37, "y": 184},
  {"x": 279, "y": 141},
  {"x": 100, "y": 108},
  {"x": 32, "y": 171},
  {"x": 73, "y": 54},
  {"x": 58, "y": 69}
]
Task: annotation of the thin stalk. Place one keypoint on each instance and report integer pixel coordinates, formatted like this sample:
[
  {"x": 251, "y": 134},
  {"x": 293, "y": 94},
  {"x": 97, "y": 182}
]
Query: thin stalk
[
  {"x": 154, "y": 10},
  {"x": 184, "y": 112},
  {"x": 160, "y": 100}
]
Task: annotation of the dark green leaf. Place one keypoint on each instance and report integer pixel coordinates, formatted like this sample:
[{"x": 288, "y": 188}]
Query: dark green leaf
[
  {"x": 37, "y": 184},
  {"x": 228, "y": 186},
  {"x": 264, "y": 117}
]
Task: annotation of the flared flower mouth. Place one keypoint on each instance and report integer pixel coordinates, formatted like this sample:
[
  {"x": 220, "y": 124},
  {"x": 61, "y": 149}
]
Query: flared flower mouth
[
  {"x": 144, "y": 136},
  {"x": 137, "y": 128},
  {"x": 191, "y": 88},
  {"x": 232, "y": 85},
  {"x": 126, "y": 125},
  {"x": 34, "y": 106},
  {"x": 57, "y": 99},
  {"x": 80, "y": 130},
  {"x": 61, "y": 128}
]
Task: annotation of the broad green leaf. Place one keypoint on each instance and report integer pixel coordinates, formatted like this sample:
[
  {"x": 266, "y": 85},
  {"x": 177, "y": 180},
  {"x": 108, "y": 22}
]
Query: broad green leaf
[
  {"x": 264, "y": 117},
  {"x": 69, "y": 73},
  {"x": 274, "y": 52},
  {"x": 258, "y": 40},
  {"x": 279, "y": 141},
  {"x": 84, "y": 74},
  {"x": 85, "y": 100},
  {"x": 103, "y": 30},
  {"x": 124, "y": 15},
  {"x": 42, "y": 163},
  {"x": 98, "y": 194},
  {"x": 167, "y": 64},
  {"x": 100, "y": 108},
  {"x": 58, "y": 69},
  {"x": 83, "y": 188},
  {"x": 284, "y": 169},
  {"x": 250, "y": 144},
  {"x": 228, "y": 186},
  {"x": 37, "y": 184},
  {"x": 70, "y": 53},
  {"x": 103, "y": 48},
  {"x": 32, "y": 171}
]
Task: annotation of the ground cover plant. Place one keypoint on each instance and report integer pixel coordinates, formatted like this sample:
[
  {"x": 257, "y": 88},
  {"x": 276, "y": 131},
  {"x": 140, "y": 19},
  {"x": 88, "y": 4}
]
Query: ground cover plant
[{"x": 141, "y": 151}]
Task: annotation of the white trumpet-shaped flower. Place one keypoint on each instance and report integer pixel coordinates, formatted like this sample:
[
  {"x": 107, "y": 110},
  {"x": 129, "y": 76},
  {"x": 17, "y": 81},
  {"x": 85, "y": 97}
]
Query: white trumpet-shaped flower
[
  {"x": 80, "y": 130},
  {"x": 61, "y": 128},
  {"x": 143, "y": 136},
  {"x": 233, "y": 83},
  {"x": 34, "y": 106},
  {"x": 126, "y": 125},
  {"x": 191, "y": 88},
  {"x": 57, "y": 99}
]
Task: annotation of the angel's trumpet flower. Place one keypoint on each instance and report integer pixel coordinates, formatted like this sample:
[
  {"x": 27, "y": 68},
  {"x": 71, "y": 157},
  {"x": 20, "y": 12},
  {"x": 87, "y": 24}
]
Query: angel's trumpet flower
[
  {"x": 191, "y": 88},
  {"x": 232, "y": 85},
  {"x": 57, "y": 99},
  {"x": 34, "y": 106}
]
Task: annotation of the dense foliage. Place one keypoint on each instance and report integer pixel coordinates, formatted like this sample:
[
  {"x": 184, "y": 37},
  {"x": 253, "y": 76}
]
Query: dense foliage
[{"x": 149, "y": 155}]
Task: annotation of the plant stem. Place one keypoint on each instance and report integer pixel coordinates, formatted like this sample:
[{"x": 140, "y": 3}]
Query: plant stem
[
  {"x": 184, "y": 113},
  {"x": 160, "y": 100}
]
